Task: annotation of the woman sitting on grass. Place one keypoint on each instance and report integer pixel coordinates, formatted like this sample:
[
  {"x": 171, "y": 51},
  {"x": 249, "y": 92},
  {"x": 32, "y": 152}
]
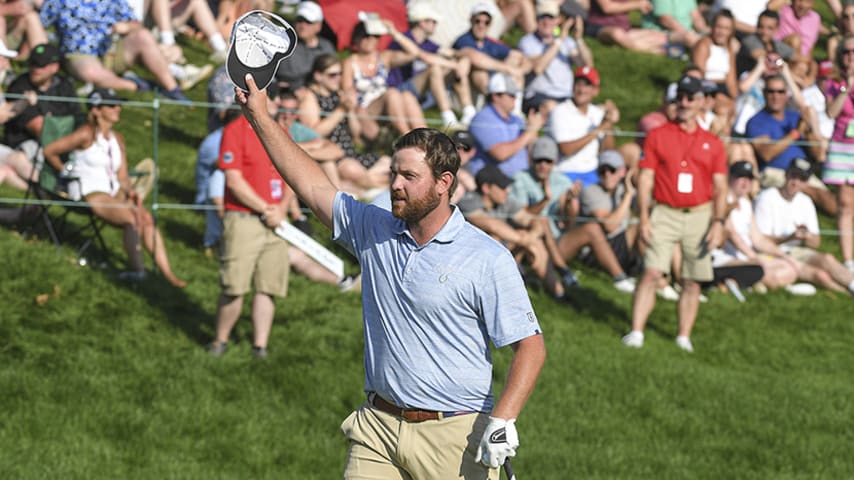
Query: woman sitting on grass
[{"x": 99, "y": 163}]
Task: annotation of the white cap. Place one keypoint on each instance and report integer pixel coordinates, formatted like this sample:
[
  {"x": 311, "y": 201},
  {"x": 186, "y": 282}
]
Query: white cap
[
  {"x": 422, "y": 10},
  {"x": 502, "y": 83},
  {"x": 548, "y": 7},
  {"x": 483, "y": 7},
  {"x": 310, "y": 11}
]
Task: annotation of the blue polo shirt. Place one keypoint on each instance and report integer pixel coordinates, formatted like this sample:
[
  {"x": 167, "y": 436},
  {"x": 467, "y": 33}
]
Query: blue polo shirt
[
  {"x": 763, "y": 123},
  {"x": 489, "y": 128},
  {"x": 490, "y": 47},
  {"x": 430, "y": 311}
]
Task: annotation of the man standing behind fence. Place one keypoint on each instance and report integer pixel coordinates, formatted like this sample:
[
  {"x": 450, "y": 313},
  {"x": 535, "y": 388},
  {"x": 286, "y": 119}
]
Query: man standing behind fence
[
  {"x": 684, "y": 170},
  {"x": 253, "y": 256}
]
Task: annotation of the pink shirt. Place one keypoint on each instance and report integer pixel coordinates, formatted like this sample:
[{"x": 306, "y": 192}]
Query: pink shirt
[
  {"x": 805, "y": 27},
  {"x": 842, "y": 120}
]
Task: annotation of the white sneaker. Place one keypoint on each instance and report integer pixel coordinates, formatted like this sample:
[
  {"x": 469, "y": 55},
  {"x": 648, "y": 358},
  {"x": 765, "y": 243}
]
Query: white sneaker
[
  {"x": 468, "y": 113},
  {"x": 801, "y": 289},
  {"x": 702, "y": 298},
  {"x": 626, "y": 285},
  {"x": 849, "y": 264},
  {"x": 634, "y": 339},
  {"x": 668, "y": 293},
  {"x": 685, "y": 344},
  {"x": 193, "y": 75}
]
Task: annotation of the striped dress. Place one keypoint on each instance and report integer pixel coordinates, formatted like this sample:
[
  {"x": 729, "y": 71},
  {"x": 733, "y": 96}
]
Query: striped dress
[{"x": 839, "y": 167}]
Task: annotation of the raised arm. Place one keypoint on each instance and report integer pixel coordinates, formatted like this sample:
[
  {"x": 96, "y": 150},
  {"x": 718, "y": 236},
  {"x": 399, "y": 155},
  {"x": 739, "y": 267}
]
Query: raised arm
[{"x": 299, "y": 170}]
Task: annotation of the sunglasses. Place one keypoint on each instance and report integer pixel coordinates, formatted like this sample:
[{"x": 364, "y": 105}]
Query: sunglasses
[
  {"x": 774, "y": 91},
  {"x": 465, "y": 148},
  {"x": 333, "y": 74},
  {"x": 543, "y": 160},
  {"x": 302, "y": 20},
  {"x": 481, "y": 21},
  {"x": 682, "y": 95},
  {"x": 848, "y": 51},
  {"x": 546, "y": 16},
  {"x": 603, "y": 170}
]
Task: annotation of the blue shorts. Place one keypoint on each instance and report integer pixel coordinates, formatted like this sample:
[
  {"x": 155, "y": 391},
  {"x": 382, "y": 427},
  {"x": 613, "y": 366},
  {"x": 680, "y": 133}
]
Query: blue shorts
[{"x": 587, "y": 178}]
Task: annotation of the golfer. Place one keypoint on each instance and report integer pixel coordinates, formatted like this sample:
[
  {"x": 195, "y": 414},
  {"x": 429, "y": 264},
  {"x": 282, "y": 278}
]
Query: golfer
[{"x": 435, "y": 291}]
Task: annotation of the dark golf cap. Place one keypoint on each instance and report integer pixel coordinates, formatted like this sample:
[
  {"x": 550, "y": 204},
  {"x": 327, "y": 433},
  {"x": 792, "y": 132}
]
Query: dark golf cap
[
  {"x": 101, "y": 96},
  {"x": 259, "y": 42},
  {"x": 742, "y": 169},
  {"x": 463, "y": 139},
  {"x": 800, "y": 167},
  {"x": 689, "y": 85},
  {"x": 44, "y": 54},
  {"x": 492, "y": 175},
  {"x": 571, "y": 8}
]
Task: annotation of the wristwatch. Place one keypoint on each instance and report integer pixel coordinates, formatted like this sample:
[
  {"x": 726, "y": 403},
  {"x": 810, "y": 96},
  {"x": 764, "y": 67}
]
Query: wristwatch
[{"x": 843, "y": 89}]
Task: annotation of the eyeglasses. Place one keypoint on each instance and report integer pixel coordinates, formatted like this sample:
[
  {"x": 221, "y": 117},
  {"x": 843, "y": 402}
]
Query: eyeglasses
[
  {"x": 544, "y": 160},
  {"x": 774, "y": 91},
  {"x": 481, "y": 21},
  {"x": 848, "y": 51}
]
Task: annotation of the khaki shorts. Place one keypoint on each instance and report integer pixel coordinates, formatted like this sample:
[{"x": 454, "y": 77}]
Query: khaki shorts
[
  {"x": 384, "y": 446},
  {"x": 687, "y": 227},
  {"x": 252, "y": 256},
  {"x": 773, "y": 177},
  {"x": 801, "y": 254}
]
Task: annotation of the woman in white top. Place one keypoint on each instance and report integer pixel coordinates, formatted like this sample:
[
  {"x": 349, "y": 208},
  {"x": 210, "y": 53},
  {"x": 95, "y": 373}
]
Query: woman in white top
[
  {"x": 715, "y": 54},
  {"x": 97, "y": 155}
]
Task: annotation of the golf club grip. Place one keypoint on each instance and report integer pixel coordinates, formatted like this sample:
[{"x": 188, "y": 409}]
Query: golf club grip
[{"x": 508, "y": 469}]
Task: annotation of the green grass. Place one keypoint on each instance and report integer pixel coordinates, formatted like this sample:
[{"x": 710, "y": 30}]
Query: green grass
[{"x": 110, "y": 380}]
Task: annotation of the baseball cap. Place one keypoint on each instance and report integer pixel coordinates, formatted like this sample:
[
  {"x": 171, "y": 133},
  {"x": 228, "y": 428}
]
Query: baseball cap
[
  {"x": 741, "y": 169},
  {"x": 463, "y": 138},
  {"x": 588, "y": 73},
  {"x": 259, "y": 42},
  {"x": 492, "y": 175},
  {"x": 422, "y": 10},
  {"x": 483, "y": 7},
  {"x": 310, "y": 11},
  {"x": 372, "y": 22},
  {"x": 611, "y": 158},
  {"x": 502, "y": 83},
  {"x": 544, "y": 147},
  {"x": 102, "y": 96},
  {"x": 689, "y": 85},
  {"x": 44, "y": 54},
  {"x": 548, "y": 7},
  {"x": 571, "y": 8},
  {"x": 799, "y": 167}
]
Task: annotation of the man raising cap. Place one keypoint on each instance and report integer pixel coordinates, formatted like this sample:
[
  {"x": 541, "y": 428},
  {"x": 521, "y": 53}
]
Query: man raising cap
[{"x": 436, "y": 291}]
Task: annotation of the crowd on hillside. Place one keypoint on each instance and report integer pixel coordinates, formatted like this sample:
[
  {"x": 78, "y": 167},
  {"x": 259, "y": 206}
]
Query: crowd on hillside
[{"x": 542, "y": 170}]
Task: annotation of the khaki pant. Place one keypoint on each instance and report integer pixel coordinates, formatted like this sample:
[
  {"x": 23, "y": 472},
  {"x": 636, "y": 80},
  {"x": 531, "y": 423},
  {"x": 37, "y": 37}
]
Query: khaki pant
[
  {"x": 252, "y": 256},
  {"x": 687, "y": 227},
  {"x": 385, "y": 447}
]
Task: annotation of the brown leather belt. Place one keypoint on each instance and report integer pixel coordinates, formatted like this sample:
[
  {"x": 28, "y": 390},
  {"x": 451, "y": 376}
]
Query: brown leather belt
[{"x": 409, "y": 414}]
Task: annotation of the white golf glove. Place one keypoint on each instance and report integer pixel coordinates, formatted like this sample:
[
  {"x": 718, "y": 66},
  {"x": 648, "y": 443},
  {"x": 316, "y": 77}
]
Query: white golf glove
[{"x": 499, "y": 441}]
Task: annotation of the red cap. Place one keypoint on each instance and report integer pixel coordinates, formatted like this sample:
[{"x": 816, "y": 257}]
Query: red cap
[
  {"x": 588, "y": 73},
  {"x": 825, "y": 69}
]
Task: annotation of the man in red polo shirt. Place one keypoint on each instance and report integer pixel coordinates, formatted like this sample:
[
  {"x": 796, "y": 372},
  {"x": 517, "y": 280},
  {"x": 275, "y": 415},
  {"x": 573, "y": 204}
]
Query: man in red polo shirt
[
  {"x": 253, "y": 256},
  {"x": 684, "y": 171}
]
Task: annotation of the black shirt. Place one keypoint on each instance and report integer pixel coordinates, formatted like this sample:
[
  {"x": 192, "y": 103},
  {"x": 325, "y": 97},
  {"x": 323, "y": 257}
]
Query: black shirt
[{"x": 15, "y": 131}]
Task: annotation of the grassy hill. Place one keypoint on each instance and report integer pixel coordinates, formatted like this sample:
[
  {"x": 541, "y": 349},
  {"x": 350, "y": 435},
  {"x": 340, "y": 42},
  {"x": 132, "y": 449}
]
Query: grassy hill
[{"x": 105, "y": 379}]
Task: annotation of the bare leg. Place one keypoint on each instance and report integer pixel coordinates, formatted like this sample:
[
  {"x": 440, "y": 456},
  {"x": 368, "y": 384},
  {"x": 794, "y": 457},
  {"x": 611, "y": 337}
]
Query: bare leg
[
  {"x": 828, "y": 263},
  {"x": 845, "y": 221},
  {"x": 689, "y": 304},
  {"x": 227, "y": 313},
  {"x": 90, "y": 69},
  {"x": 644, "y": 299},
  {"x": 263, "y": 309},
  {"x": 140, "y": 47}
]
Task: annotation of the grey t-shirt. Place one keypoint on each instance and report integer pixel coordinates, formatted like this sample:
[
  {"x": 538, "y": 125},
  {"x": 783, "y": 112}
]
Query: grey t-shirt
[
  {"x": 295, "y": 68},
  {"x": 744, "y": 61},
  {"x": 595, "y": 197},
  {"x": 473, "y": 201}
]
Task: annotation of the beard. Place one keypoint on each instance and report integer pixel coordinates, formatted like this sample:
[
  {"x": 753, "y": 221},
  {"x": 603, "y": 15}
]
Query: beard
[{"x": 413, "y": 210}]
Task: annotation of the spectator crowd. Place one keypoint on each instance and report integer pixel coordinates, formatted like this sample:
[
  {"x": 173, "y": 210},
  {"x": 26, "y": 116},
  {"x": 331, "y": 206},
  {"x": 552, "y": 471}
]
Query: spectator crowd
[{"x": 748, "y": 144}]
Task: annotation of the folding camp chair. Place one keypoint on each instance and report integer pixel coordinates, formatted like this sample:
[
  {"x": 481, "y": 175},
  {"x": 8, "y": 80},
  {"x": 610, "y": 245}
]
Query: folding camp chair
[{"x": 50, "y": 189}]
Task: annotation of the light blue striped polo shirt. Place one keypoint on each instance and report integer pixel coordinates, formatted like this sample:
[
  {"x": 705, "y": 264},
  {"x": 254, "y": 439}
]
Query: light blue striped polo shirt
[{"x": 430, "y": 311}]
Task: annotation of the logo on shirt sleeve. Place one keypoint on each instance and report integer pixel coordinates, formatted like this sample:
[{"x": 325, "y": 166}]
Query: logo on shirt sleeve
[{"x": 227, "y": 157}]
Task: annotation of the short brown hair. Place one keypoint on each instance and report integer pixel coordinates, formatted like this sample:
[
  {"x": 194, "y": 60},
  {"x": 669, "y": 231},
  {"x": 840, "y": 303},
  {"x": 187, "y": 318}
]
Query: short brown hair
[{"x": 440, "y": 152}]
